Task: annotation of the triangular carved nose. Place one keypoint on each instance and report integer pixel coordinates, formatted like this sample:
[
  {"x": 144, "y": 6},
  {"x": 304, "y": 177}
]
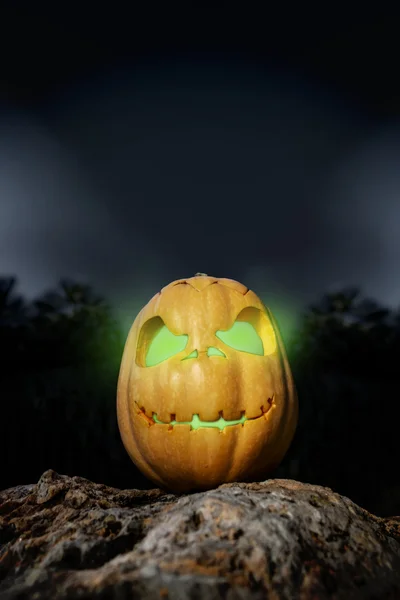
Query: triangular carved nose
[
  {"x": 211, "y": 351},
  {"x": 193, "y": 354}
]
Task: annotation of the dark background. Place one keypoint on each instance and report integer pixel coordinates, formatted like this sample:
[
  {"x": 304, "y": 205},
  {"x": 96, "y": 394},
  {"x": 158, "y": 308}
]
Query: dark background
[{"x": 140, "y": 148}]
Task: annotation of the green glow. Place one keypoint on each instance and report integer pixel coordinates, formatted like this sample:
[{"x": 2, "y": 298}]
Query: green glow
[
  {"x": 211, "y": 351},
  {"x": 193, "y": 354},
  {"x": 286, "y": 313},
  {"x": 164, "y": 345},
  {"x": 242, "y": 336},
  {"x": 196, "y": 423}
]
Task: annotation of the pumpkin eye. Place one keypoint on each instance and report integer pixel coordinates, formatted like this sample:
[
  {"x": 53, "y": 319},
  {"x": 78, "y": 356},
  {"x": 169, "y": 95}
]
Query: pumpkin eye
[
  {"x": 164, "y": 345},
  {"x": 242, "y": 336}
]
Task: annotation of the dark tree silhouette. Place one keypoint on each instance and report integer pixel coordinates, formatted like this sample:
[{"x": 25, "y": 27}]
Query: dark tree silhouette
[
  {"x": 12, "y": 305},
  {"x": 345, "y": 364}
]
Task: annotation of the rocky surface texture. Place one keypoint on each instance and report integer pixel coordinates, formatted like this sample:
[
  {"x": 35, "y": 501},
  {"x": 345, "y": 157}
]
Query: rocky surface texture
[{"x": 279, "y": 539}]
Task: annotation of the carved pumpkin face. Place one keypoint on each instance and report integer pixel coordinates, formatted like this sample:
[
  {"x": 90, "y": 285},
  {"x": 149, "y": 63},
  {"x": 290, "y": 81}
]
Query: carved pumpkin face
[{"x": 205, "y": 392}]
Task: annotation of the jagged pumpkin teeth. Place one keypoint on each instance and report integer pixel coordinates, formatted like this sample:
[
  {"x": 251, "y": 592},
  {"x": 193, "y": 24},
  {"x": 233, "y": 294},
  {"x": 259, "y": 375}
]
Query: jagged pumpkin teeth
[
  {"x": 204, "y": 357},
  {"x": 204, "y": 423}
]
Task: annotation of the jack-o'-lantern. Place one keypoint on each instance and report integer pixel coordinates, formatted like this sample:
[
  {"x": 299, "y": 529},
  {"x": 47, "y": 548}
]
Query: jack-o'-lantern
[{"x": 205, "y": 392}]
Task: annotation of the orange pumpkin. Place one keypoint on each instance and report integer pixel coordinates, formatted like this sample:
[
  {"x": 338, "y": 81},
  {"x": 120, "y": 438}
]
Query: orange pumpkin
[{"x": 205, "y": 392}]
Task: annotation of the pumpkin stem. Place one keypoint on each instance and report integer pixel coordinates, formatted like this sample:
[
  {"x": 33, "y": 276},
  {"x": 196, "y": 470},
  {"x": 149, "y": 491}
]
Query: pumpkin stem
[{"x": 201, "y": 275}]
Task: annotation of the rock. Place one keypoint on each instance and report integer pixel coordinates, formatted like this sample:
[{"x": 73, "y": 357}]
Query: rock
[{"x": 67, "y": 537}]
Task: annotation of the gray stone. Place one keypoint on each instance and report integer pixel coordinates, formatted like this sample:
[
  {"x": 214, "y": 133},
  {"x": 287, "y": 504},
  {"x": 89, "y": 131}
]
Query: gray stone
[{"x": 67, "y": 537}]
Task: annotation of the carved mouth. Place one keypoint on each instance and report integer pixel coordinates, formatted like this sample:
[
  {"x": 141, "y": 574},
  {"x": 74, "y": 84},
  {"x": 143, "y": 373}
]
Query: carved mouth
[{"x": 197, "y": 423}]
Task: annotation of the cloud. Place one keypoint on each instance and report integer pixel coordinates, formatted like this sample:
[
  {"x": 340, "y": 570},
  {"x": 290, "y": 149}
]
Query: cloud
[
  {"x": 367, "y": 213},
  {"x": 150, "y": 174},
  {"x": 230, "y": 166},
  {"x": 54, "y": 223}
]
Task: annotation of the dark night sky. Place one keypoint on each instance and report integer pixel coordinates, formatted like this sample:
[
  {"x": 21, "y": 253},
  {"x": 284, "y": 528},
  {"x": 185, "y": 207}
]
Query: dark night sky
[{"x": 138, "y": 149}]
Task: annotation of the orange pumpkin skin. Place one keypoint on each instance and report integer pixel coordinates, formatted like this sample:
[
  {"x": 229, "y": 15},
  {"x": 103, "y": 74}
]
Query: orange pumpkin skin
[{"x": 179, "y": 458}]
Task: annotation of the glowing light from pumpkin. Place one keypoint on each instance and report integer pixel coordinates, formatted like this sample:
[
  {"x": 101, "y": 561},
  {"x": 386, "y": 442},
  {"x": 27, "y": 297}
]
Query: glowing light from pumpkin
[
  {"x": 243, "y": 337},
  {"x": 215, "y": 352},
  {"x": 193, "y": 354},
  {"x": 196, "y": 423},
  {"x": 164, "y": 345}
]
